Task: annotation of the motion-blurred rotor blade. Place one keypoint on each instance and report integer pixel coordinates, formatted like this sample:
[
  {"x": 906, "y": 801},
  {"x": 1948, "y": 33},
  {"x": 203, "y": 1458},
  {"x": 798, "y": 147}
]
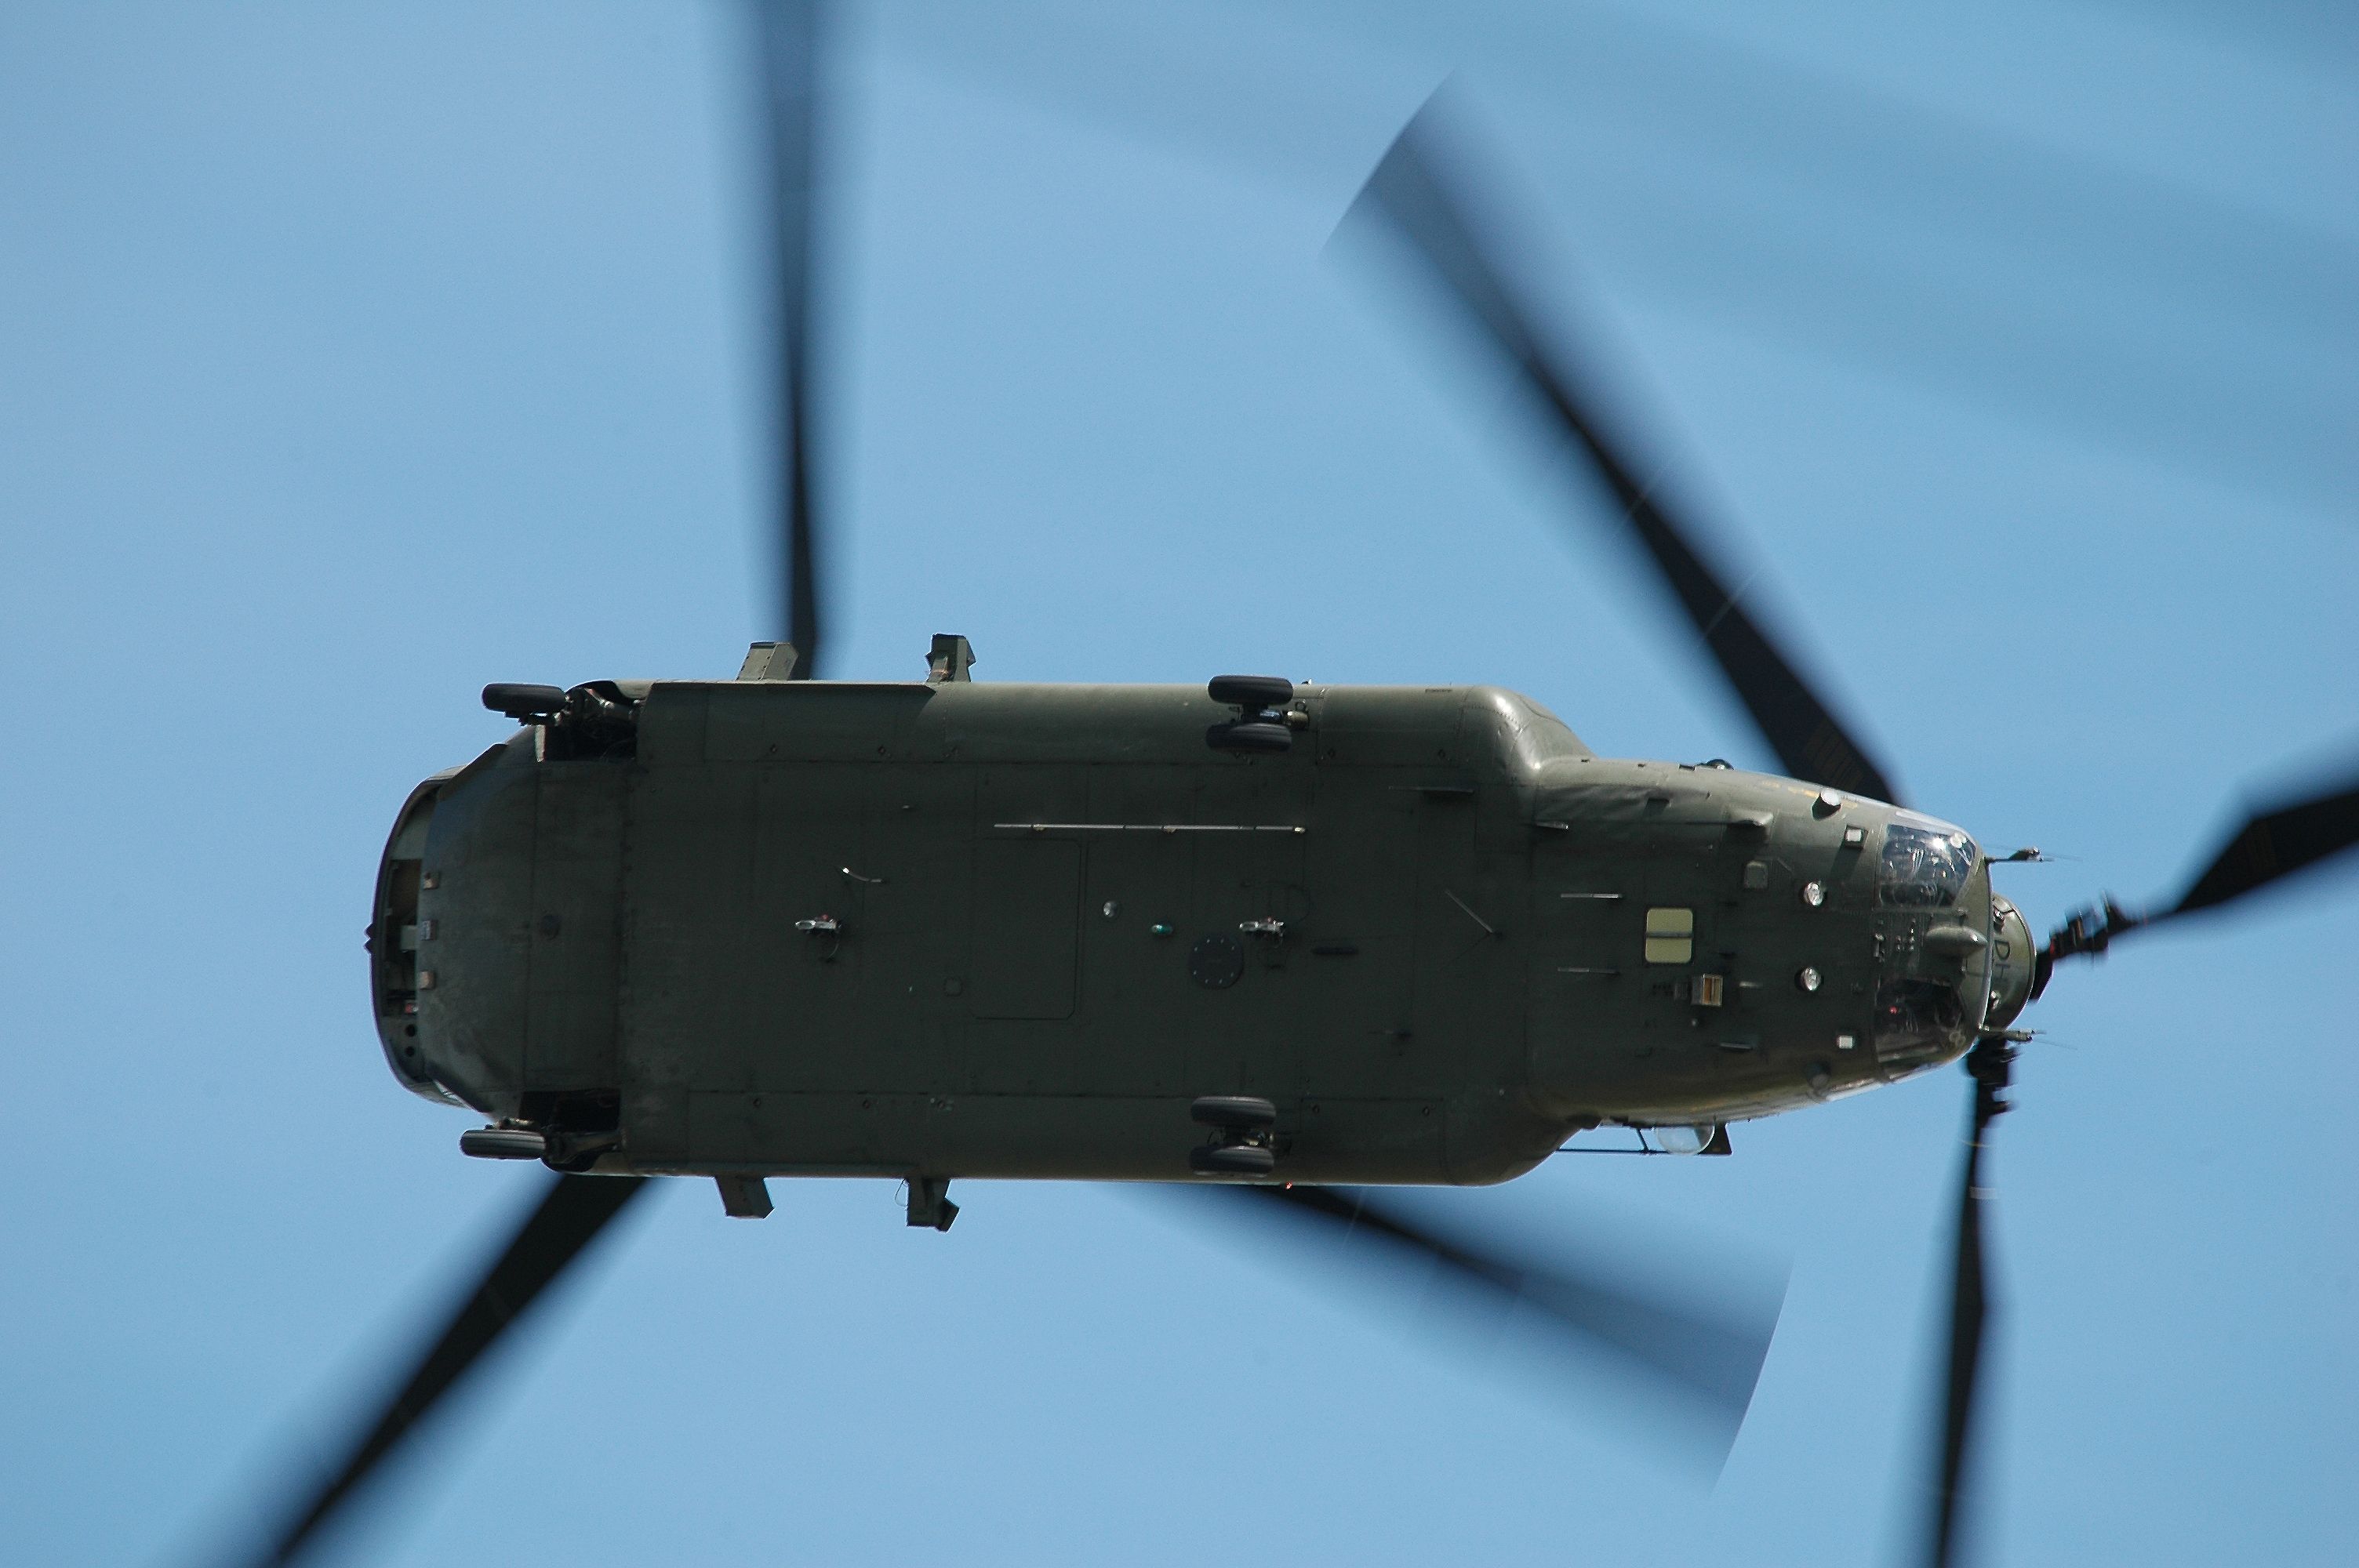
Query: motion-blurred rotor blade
[
  {"x": 1710, "y": 1352},
  {"x": 2268, "y": 846},
  {"x": 574, "y": 1211},
  {"x": 1992, "y": 1064},
  {"x": 2275, "y": 844},
  {"x": 788, "y": 47},
  {"x": 1423, "y": 201}
]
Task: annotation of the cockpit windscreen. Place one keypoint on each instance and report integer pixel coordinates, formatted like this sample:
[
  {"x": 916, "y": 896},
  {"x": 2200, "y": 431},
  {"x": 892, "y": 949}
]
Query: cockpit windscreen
[{"x": 1924, "y": 868}]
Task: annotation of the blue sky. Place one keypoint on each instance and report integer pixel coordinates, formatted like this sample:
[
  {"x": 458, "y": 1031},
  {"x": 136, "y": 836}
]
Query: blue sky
[{"x": 352, "y": 357}]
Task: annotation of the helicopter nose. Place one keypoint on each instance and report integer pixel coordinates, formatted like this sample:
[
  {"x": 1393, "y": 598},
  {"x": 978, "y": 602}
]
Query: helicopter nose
[
  {"x": 1932, "y": 938},
  {"x": 2013, "y": 955}
]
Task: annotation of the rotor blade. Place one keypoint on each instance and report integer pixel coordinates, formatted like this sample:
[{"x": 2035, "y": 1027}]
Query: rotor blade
[
  {"x": 1711, "y": 1353},
  {"x": 1991, "y": 1063},
  {"x": 1410, "y": 187},
  {"x": 1969, "y": 1316},
  {"x": 574, "y": 1211},
  {"x": 2275, "y": 844},
  {"x": 788, "y": 49},
  {"x": 2268, "y": 846}
]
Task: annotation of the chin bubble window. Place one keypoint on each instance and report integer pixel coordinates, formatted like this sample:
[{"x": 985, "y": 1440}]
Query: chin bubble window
[{"x": 1916, "y": 1018}]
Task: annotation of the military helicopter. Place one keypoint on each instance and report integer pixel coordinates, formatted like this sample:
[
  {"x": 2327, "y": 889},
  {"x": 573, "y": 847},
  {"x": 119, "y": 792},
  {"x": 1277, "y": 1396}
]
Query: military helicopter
[{"x": 1289, "y": 942}]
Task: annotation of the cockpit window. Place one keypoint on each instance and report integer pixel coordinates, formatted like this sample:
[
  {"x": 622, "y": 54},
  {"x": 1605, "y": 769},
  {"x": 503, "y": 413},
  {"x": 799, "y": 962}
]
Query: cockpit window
[
  {"x": 1924, "y": 868},
  {"x": 1916, "y": 1018}
]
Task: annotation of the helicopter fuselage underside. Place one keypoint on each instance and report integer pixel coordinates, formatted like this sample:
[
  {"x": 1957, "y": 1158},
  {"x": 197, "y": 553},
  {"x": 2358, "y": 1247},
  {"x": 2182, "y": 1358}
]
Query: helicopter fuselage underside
[{"x": 1008, "y": 930}]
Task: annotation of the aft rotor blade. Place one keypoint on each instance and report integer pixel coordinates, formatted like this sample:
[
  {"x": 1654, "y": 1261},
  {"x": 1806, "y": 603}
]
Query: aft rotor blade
[
  {"x": 788, "y": 47},
  {"x": 1711, "y": 1355},
  {"x": 2275, "y": 844},
  {"x": 1423, "y": 202},
  {"x": 572, "y": 1214}
]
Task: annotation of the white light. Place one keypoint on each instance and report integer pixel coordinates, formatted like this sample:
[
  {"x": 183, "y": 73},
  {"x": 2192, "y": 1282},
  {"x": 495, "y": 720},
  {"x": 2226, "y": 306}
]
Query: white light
[
  {"x": 1813, "y": 895},
  {"x": 1679, "y": 1140},
  {"x": 1806, "y": 977}
]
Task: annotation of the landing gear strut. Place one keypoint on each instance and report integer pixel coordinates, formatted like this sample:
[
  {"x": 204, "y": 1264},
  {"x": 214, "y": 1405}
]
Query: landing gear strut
[{"x": 929, "y": 1202}]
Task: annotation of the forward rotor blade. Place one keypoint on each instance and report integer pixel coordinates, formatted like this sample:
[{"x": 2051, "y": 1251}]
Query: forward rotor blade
[
  {"x": 1991, "y": 1063},
  {"x": 2275, "y": 844},
  {"x": 2268, "y": 846},
  {"x": 1409, "y": 187},
  {"x": 572, "y": 1214},
  {"x": 788, "y": 49},
  {"x": 1711, "y": 1355}
]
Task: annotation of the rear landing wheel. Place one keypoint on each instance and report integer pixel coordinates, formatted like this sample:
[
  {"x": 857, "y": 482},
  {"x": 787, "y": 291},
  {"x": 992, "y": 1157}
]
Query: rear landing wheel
[{"x": 1232, "y": 1160}]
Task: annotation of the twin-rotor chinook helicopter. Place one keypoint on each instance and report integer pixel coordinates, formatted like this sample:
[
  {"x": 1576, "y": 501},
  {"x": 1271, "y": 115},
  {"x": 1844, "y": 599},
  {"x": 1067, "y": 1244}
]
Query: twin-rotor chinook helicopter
[{"x": 1295, "y": 939}]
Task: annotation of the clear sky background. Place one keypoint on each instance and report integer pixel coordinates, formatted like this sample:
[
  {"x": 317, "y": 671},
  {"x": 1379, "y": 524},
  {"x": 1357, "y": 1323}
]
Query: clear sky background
[{"x": 352, "y": 356}]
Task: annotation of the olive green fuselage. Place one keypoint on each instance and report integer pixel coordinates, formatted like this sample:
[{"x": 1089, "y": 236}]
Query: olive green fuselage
[{"x": 984, "y": 929}]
